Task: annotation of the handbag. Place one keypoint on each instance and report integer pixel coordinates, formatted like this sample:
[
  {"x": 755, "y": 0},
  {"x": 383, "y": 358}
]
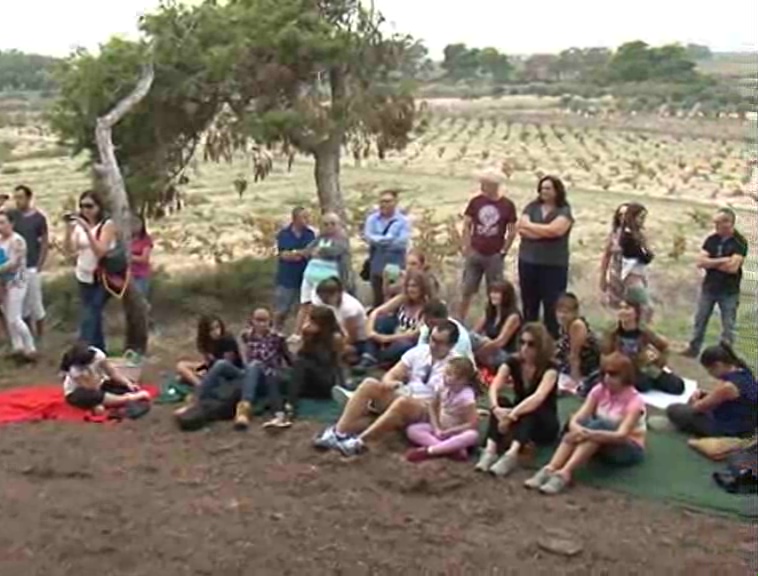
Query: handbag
[
  {"x": 366, "y": 268},
  {"x": 113, "y": 269}
]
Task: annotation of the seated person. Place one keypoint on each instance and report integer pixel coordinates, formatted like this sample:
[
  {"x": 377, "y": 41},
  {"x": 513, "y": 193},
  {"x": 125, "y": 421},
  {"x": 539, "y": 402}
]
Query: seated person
[
  {"x": 213, "y": 343},
  {"x": 415, "y": 261},
  {"x": 266, "y": 356},
  {"x": 731, "y": 408},
  {"x": 436, "y": 313},
  {"x": 348, "y": 310},
  {"x": 532, "y": 417},
  {"x": 578, "y": 349},
  {"x": 393, "y": 327},
  {"x": 316, "y": 369},
  {"x": 647, "y": 350},
  {"x": 91, "y": 382},
  {"x": 610, "y": 425},
  {"x": 402, "y": 396},
  {"x": 495, "y": 336},
  {"x": 453, "y": 425}
]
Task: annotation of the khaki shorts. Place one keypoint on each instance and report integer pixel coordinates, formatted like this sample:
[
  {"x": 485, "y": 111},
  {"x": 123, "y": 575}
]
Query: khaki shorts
[{"x": 477, "y": 266}]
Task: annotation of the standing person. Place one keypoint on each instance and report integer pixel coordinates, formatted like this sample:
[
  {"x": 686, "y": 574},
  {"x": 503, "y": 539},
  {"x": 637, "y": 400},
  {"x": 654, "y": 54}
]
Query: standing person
[
  {"x": 291, "y": 244},
  {"x": 141, "y": 249},
  {"x": 721, "y": 256},
  {"x": 31, "y": 224},
  {"x": 90, "y": 235},
  {"x": 611, "y": 285},
  {"x": 636, "y": 254},
  {"x": 387, "y": 231},
  {"x": 488, "y": 234},
  {"x": 545, "y": 227},
  {"x": 13, "y": 277}
]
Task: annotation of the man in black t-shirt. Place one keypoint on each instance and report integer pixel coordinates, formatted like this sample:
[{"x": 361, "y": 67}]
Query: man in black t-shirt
[{"x": 721, "y": 257}]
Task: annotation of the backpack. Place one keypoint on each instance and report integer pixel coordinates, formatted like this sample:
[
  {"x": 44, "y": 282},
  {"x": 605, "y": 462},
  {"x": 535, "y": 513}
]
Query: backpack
[{"x": 740, "y": 475}]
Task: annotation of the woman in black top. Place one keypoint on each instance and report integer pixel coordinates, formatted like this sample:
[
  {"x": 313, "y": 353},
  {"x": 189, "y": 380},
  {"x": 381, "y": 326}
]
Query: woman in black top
[
  {"x": 533, "y": 415},
  {"x": 495, "y": 336},
  {"x": 578, "y": 348},
  {"x": 636, "y": 254},
  {"x": 214, "y": 343}
]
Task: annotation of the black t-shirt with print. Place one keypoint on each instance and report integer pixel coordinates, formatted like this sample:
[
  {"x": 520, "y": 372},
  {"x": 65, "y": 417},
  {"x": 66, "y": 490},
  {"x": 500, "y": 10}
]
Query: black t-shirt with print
[
  {"x": 716, "y": 246},
  {"x": 227, "y": 343}
]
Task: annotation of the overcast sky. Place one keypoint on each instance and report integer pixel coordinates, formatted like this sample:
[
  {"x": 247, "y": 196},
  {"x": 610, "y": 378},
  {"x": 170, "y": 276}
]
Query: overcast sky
[{"x": 56, "y": 26}]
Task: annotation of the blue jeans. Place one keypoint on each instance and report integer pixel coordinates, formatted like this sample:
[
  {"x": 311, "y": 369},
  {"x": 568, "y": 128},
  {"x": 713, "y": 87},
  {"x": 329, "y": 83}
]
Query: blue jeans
[
  {"x": 728, "y": 304},
  {"x": 93, "y": 297},
  {"x": 250, "y": 378},
  {"x": 389, "y": 354},
  {"x": 626, "y": 454}
]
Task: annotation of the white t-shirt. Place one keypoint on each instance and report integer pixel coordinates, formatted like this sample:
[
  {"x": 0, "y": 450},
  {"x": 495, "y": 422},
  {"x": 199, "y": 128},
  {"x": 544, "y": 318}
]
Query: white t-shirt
[
  {"x": 95, "y": 368},
  {"x": 350, "y": 308},
  {"x": 86, "y": 259},
  {"x": 426, "y": 375},
  {"x": 462, "y": 347}
]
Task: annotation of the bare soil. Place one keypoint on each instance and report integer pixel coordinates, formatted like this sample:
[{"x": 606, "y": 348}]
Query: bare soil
[{"x": 141, "y": 498}]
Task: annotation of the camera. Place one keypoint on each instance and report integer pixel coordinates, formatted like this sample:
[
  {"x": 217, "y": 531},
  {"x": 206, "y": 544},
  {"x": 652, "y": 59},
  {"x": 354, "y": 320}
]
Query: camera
[{"x": 70, "y": 217}]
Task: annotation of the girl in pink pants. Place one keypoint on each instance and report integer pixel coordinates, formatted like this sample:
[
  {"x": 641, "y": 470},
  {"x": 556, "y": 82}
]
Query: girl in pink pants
[{"x": 453, "y": 420}]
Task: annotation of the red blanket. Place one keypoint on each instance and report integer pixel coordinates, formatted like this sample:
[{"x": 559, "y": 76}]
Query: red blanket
[{"x": 31, "y": 404}]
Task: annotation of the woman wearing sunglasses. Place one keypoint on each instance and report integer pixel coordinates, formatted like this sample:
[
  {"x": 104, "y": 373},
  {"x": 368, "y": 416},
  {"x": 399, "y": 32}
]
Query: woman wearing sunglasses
[
  {"x": 532, "y": 416},
  {"x": 610, "y": 425},
  {"x": 90, "y": 234}
]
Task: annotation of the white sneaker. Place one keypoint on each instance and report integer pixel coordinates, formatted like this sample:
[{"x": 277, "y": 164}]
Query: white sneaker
[
  {"x": 351, "y": 446},
  {"x": 486, "y": 460},
  {"x": 328, "y": 439},
  {"x": 341, "y": 395},
  {"x": 504, "y": 466}
]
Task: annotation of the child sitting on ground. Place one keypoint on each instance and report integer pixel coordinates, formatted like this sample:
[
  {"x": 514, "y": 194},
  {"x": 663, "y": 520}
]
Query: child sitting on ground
[
  {"x": 453, "y": 421},
  {"x": 610, "y": 425},
  {"x": 91, "y": 382},
  {"x": 213, "y": 343}
]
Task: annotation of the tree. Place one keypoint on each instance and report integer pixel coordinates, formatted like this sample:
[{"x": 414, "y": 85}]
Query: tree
[
  {"x": 698, "y": 52},
  {"x": 638, "y": 62},
  {"x": 461, "y": 62},
  {"x": 310, "y": 74},
  {"x": 498, "y": 65},
  {"x": 19, "y": 71},
  {"x": 541, "y": 68}
]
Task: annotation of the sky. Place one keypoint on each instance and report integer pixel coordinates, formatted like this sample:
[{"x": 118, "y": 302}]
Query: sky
[{"x": 56, "y": 26}]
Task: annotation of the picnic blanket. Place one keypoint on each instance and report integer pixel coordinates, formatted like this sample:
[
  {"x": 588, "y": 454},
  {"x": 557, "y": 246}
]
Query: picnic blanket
[
  {"x": 672, "y": 472},
  {"x": 35, "y": 403}
]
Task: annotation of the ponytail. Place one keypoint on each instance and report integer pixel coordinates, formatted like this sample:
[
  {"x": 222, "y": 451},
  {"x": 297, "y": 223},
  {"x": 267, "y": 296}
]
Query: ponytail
[{"x": 724, "y": 353}]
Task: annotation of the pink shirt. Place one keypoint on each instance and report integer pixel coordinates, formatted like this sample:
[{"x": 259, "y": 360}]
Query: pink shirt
[
  {"x": 615, "y": 407},
  {"x": 139, "y": 245},
  {"x": 454, "y": 406}
]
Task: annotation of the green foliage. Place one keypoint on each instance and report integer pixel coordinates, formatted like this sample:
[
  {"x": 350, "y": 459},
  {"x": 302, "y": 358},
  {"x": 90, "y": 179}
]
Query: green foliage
[
  {"x": 19, "y": 71},
  {"x": 638, "y": 62},
  {"x": 461, "y": 62}
]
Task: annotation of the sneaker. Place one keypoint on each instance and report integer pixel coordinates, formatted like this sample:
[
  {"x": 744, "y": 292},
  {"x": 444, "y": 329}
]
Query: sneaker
[
  {"x": 417, "y": 455},
  {"x": 278, "y": 422},
  {"x": 242, "y": 416},
  {"x": 504, "y": 466},
  {"x": 327, "y": 440},
  {"x": 341, "y": 395},
  {"x": 486, "y": 460},
  {"x": 351, "y": 446},
  {"x": 554, "y": 485},
  {"x": 540, "y": 478}
]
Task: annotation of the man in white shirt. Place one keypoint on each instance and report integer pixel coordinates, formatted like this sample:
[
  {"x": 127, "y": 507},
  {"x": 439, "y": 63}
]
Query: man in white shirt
[
  {"x": 402, "y": 396},
  {"x": 435, "y": 313},
  {"x": 348, "y": 310}
]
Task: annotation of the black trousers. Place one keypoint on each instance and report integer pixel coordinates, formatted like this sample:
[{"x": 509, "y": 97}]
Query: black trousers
[
  {"x": 310, "y": 379},
  {"x": 684, "y": 418},
  {"x": 541, "y": 286},
  {"x": 540, "y": 427},
  {"x": 667, "y": 382},
  {"x": 377, "y": 289}
]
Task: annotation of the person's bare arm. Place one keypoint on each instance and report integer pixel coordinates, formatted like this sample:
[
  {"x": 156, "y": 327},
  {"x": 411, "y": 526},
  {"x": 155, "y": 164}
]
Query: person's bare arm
[
  {"x": 555, "y": 229},
  {"x": 397, "y": 375},
  {"x": 510, "y": 237},
  {"x": 352, "y": 329},
  {"x": 100, "y": 246},
  {"x": 705, "y": 261},
  {"x": 507, "y": 332},
  {"x": 116, "y": 376},
  {"x": 723, "y": 392},
  {"x": 468, "y": 225},
  {"x": 16, "y": 257},
  {"x": 587, "y": 410},
  {"x": 68, "y": 239},
  {"x": 661, "y": 345},
  {"x": 434, "y": 413},
  {"x": 500, "y": 381},
  {"x": 605, "y": 262},
  {"x": 389, "y": 307},
  {"x": 621, "y": 434},
  {"x": 535, "y": 399},
  {"x": 732, "y": 264}
]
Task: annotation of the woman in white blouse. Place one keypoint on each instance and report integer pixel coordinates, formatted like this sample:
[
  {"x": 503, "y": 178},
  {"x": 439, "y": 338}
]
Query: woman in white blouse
[{"x": 90, "y": 234}]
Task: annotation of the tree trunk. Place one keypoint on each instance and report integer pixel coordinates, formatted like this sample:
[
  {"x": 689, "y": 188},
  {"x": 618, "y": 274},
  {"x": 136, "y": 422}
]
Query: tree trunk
[
  {"x": 135, "y": 307},
  {"x": 327, "y": 174}
]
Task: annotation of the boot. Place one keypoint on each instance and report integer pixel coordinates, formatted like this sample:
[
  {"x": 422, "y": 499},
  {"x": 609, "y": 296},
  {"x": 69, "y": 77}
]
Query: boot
[{"x": 242, "y": 418}]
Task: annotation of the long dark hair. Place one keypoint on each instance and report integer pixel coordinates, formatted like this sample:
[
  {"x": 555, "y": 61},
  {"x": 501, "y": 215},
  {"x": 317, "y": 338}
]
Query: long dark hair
[
  {"x": 544, "y": 345},
  {"x": 508, "y": 304},
  {"x": 204, "y": 324},
  {"x": 560, "y": 190},
  {"x": 725, "y": 354},
  {"x": 616, "y": 221},
  {"x": 327, "y": 327},
  {"x": 420, "y": 279},
  {"x": 631, "y": 218},
  {"x": 102, "y": 212},
  {"x": 142, "y": 226}
]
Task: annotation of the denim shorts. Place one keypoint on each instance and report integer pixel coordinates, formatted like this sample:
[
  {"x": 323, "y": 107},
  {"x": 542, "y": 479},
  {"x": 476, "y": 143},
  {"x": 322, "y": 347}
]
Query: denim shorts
[
  {"x": 285, "y": 299},
  {"x": 625, "y": 454}
]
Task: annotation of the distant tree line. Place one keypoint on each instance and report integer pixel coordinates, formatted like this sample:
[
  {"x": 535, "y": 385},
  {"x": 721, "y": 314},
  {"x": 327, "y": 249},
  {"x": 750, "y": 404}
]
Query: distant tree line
[
  {"x": 631, "y": 62},
  {"x": 19, "y": 71}
]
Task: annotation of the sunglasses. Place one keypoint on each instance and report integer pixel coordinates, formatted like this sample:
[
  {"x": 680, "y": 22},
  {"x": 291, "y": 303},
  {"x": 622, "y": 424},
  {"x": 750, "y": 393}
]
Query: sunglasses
[
  {"x": 86, "y": 206},
  {"x": 528, "y": 343}
]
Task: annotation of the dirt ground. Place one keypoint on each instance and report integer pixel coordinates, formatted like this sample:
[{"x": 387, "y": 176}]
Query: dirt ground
[{"x": 141, "y": 498}]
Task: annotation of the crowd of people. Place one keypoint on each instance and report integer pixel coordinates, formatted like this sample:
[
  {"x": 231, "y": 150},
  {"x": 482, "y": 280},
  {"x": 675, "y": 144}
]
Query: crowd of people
[{"x": 408, "y": 362}]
